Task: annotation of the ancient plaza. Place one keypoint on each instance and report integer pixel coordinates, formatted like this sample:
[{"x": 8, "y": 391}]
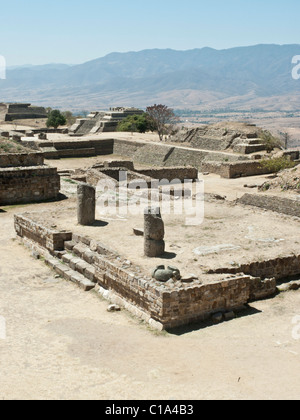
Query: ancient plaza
[{"x": 152, "y": 263}]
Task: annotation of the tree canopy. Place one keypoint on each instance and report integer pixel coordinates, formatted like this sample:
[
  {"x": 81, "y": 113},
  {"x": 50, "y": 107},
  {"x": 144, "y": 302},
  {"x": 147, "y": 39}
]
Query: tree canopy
[
  {"x": 135, "y": 123},
  {"x": 55, "y": 119},
  {"x": 162, "y": 119}
]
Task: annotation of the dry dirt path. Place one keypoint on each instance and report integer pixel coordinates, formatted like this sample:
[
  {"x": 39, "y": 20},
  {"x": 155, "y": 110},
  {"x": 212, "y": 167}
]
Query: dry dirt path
[{"x": 61, "y": 343}]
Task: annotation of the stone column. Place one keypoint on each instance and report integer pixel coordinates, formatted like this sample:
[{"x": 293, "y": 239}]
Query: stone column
[
  {"x": 154, "y": 233},
  {"x": 86, "y": 204}
]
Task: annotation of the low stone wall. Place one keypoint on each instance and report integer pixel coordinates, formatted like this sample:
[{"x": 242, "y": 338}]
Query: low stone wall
[
  {"x": 27, "y": 185},
  {"x": 279, "y": 268},
  {"x": 235, "y": 169},
  {"x": 71, "y": 149},
  {"x": 50, "y": 239},
  {"x": 167, "y": 305},
  {"x": 281, "y": 205},
  {"x": 165, "y": 155},
  {"x": 181, "y": 173},
  {"x": 11, "y": 160}
]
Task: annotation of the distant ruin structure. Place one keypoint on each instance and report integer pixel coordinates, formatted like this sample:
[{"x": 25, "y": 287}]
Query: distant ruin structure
[
  {"x": 103, "y": 121},
  {"x": 12, "y": 112}
]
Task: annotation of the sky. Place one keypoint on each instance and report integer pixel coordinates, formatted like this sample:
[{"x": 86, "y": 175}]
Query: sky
[{"x": 76, "y": 31}]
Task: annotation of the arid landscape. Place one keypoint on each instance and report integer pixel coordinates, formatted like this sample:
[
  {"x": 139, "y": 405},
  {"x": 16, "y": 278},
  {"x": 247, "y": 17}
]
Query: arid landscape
[
  {"x": 63, "y": 344},
  {"x": 150, "y": 203}
]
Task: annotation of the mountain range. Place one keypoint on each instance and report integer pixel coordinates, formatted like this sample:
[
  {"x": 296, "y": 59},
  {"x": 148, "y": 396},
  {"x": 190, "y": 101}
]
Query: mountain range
[{"x": 238, "y": 78}]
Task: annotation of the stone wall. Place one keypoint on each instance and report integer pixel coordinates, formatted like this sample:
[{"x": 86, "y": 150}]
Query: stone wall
[
  {"x": 281, "y": 205},
  {"x": 50, "y": 239},
  {"x": 167, "y": 305},
  {"x": 166, "y": 155},
  {"x": 27, "y": 185},
  {"x": 11, "y": 160},
  {"x": 279, "y": 268},
  {"x": 235, "y": 169},
  {"x": 181, "y": 173},
  {"x": 24, "y": 111},
  {"x": 76, "y": 148}
]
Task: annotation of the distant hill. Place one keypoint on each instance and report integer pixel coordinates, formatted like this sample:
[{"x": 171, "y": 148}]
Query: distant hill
[{"x": 241, "y": 78}]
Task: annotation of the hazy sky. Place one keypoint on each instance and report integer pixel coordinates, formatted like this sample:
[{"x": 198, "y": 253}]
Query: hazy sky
[{"x": 75, "y": 31}]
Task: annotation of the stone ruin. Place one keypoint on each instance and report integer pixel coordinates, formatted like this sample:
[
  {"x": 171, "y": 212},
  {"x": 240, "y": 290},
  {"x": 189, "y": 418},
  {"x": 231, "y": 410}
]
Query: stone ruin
[
  {"x": 154, "y": 233},
  {"x": 86, "y": 204},
  {"x": 24, "y": 178},
  {"x": 102, "y": 121},
  {"x": 164, "y": 298},
  {"x": 238, "y": 137},
  {"x": 12, "y": 112}
]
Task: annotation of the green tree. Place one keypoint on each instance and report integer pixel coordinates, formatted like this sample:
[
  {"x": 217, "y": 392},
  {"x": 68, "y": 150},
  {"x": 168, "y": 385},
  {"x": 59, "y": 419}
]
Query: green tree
[
  {"x": 134, "y": 123},
  {"x": 56, "y": 119}
]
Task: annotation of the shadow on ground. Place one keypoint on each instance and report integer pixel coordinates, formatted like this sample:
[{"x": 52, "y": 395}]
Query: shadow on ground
[{"x": 185, "y": 329}]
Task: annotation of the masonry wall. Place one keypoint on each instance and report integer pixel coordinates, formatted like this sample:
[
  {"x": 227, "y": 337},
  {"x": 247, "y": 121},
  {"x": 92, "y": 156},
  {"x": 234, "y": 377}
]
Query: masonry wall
[
  {"x": 166, "y": 155},
  {"x": 169, "y": 306},
  {"x": 11, "y": 160},
  {"x": 235, "y": 169},
  {"x": 181, "y": 173},
  {"x": 281, "y": 205},
  {"x": 279, "y": 268},
  {"x": 28, "y": 185},
  {"x": 51, "y": 239}
]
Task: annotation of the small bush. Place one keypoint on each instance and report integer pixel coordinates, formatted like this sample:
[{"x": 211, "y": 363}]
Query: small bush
[{"x": 277, "y": 164}]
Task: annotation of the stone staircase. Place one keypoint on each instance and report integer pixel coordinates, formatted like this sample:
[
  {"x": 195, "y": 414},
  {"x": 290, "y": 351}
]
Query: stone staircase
[
  {"x": 86, "y": 127},
  {"x": 248, "y": 146},
  {"x": 76, "y": 263}
]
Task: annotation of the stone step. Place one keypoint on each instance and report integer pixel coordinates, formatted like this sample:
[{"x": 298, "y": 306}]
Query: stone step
[
  {"x": 68, "y": 273},
  {"x": 251, "y": 141},
  {"x": 81, "y": 266},
  {"x": 50, "y": 152},
  {"x": 249, "y": 148}
]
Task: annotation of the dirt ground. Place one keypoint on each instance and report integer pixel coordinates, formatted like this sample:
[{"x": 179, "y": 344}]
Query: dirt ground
[{"x": 61, "y": 343}]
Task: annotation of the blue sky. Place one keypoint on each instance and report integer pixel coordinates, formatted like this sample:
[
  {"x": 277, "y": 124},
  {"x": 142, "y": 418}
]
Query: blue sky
[{"x": 75, "y": 31}]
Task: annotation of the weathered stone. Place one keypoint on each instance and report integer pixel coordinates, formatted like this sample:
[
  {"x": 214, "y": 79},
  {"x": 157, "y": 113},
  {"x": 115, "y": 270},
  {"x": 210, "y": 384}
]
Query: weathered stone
[
  {"x": 154, "y": 232},
  {"x": 163, "y": 274},
  {"x": 154, "y": 248},
  {"x": 86, "y": 204},
  {"x": 113, "y": 308},
  {"x": 42, "y": 136},
  {"x": 217, "y": 318},
  {"x": 229, "y": 315}
]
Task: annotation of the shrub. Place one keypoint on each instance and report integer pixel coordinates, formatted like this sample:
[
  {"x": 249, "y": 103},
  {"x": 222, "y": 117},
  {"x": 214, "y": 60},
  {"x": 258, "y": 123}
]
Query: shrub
[
  {"x": 277, "y": 164},
  {"x": 134, "y": 123}
]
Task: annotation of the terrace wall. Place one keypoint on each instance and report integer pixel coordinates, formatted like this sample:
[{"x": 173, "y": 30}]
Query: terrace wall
[{"x": 28, "y": 185}]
